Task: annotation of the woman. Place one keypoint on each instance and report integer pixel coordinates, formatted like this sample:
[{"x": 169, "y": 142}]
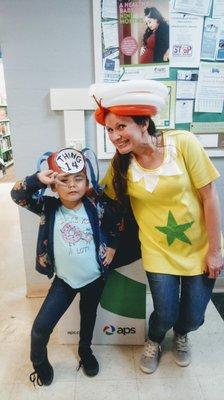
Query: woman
[
  {"x": 169, "y": 180},
  {"x": 156, "y": 38}
]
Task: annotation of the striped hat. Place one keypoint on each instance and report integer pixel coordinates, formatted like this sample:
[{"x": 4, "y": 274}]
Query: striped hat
[
  {"x": 67, "y": 160},
  {"x": 130, "y": 98}
]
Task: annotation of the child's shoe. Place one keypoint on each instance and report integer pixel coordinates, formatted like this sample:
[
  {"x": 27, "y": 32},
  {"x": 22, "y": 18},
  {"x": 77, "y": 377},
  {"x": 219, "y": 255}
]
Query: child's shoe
[
  {"x": 87, "y": 361},
  {"x": 43, "y": 373}
]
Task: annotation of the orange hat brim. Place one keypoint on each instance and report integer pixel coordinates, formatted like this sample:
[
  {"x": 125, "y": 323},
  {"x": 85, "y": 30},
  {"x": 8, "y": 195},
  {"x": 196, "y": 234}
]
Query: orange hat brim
[
  {"x": 128, "y": 110},
  {"x": 52, "y": 164}
]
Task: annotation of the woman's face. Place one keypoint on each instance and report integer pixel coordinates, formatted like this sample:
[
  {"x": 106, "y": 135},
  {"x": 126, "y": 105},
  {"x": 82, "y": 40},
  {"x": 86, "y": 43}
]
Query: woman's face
[
  {"x": 152, "y": 23},
  {"x": 124, "y": 133}
]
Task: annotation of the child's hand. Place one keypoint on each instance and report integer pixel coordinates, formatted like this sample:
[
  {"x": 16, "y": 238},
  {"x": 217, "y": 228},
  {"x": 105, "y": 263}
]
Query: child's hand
[
  {"x": 109, "y": 255},
  {"x": 47, "y": 177}
]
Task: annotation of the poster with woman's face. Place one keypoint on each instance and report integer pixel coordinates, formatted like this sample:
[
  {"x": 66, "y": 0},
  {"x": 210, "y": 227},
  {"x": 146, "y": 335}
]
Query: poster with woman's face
[{"x": 143, "y": 32}]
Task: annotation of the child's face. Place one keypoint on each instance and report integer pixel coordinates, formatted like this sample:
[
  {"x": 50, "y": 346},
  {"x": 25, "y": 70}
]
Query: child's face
[{"x": 71, "y": 188}]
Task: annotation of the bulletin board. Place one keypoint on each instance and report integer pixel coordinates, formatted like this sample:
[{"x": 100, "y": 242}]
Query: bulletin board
[{"x": 111, "y": 66}]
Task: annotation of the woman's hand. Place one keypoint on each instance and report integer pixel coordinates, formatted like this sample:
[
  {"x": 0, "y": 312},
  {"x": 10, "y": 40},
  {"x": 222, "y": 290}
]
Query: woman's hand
[
  {"x": 166, "y": 56},
  {"x": 142, "y": 50},
  {"x": 109, "y": 255},
  {"x": 47, "y": 177},
  {"x": 214, "y": 264}
]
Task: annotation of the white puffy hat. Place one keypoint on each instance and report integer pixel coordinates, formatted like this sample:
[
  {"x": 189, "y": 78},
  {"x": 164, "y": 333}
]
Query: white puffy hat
[{"x": 130, "y": 98}]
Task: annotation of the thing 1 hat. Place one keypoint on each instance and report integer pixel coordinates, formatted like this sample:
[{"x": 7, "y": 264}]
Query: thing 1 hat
[
  {"x": 130, "y": 98},
  {"x": 68, "y": 160},
  {"x": 72, "y": 161}
]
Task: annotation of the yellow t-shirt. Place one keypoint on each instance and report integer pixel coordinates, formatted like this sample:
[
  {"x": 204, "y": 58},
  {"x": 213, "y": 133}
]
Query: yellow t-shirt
[{"x": 167, "y": 206}]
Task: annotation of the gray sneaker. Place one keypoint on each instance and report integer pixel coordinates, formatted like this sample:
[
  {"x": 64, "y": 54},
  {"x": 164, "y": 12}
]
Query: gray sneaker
[
  {"x": 150, "y": 357},
  {"x": 181, "y": 350}
]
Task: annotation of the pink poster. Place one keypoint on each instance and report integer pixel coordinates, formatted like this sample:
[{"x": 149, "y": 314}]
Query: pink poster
[{"x": 143, "y": 32}]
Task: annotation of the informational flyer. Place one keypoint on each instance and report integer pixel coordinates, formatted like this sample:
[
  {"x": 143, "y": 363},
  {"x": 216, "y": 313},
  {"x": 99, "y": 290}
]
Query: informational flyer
[
  {"x": 210, "y": 88},
  {"x": 110, "y": 34},
  {"x": 218, "y": 9},
  {"x": 144, "y": 35},
  {"x": 184, "y": 111},
  {"x": 185, "y": 40},
  {"x": 109, "y": 38},
  {"x": 197, "y": 7},
  {"x": 111, "y": 65},
  {"x": 127, "y": 72},
  {"x": 166, "y": 118},
  {"x": 109, "y": 9},
  {"x": 220, "y": 42},
  {"x": 210, "y": 38},
  {"x": 186, "y": 83}
]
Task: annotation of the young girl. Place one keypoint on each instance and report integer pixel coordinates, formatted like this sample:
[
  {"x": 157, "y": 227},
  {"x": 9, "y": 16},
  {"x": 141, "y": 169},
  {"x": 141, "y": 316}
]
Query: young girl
[{"x": 71, "y": 244}]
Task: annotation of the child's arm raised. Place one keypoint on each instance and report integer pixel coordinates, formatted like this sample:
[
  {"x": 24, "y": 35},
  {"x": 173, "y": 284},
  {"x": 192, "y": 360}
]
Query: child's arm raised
[{"x": 23, "y": 192}]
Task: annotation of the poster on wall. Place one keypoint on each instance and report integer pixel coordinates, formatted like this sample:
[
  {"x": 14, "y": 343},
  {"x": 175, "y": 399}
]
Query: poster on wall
[
  {"x": 217, "y": 9},
  {"x": 196, "y": 7},
  {"x": 184, "y": 49},
  {"x": 109, "y": 41},
  {"x": 166, "y": 118},
  {"x": 209, "y": 38},
  {"x": 193, "y": 37},
  {"x": 143, "y": 38},
  {"x": 220, "y": 44},
  {"x": 210, "y": 88},
  {"x": 186, "y": 83}
]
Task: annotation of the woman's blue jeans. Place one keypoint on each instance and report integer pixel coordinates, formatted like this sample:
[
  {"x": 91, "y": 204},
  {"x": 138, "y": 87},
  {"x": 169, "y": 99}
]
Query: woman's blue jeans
[
  {"x": 179, "y": 303},
  {"x": 59, "y": 298}
]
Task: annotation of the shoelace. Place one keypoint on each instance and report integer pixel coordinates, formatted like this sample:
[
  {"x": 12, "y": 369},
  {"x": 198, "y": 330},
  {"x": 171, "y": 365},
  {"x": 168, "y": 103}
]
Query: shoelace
[
  {"x": 151, "y": 350},
  {"x": 182, "y": 343},
  {"x": 79, "y": 366},
  {"x": 34, "y": 378}
]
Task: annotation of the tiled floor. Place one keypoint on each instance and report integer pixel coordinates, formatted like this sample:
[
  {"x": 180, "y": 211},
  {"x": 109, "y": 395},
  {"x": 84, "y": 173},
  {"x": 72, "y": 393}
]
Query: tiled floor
[{"x": 119, "y": 377}]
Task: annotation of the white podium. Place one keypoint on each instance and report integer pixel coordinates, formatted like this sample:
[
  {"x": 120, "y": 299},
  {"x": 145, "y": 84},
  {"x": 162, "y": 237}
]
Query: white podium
[{"x": 121, "y": 313}]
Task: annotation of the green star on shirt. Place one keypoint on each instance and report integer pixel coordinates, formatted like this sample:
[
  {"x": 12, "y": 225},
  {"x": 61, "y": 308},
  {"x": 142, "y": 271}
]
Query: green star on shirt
[{"x": 175, "y": 231}]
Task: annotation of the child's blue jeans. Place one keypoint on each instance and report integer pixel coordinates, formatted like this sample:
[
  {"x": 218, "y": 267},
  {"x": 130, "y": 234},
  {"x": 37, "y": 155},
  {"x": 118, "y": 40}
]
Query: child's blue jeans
[
  {"x": 179, "y": 303},
  {"x": 59, "y": 298}
]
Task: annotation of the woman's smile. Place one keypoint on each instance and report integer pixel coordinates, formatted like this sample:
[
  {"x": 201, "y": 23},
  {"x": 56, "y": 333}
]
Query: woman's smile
[
  {"x": 123, "y": 132},
  {"x": 120, "y": 143}
]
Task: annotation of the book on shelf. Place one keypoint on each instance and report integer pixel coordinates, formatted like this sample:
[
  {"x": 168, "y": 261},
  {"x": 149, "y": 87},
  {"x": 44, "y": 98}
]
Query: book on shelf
[
  {"x": 4, "y": 128},
  {"x": 3, "y": 113},
  {"x": 3, "y": 101}
]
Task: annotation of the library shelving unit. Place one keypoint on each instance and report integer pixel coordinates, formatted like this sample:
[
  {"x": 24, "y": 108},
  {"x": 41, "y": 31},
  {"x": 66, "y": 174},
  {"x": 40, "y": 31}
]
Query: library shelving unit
[{"x": 6, "y": 157}]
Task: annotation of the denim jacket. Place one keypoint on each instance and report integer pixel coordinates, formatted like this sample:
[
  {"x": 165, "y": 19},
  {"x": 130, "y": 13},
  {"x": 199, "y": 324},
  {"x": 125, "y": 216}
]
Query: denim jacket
[{"x": 102, "y": 212}]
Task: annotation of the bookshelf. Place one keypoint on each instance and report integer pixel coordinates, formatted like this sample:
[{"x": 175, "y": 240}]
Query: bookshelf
[{"x": 6, "y": 157}]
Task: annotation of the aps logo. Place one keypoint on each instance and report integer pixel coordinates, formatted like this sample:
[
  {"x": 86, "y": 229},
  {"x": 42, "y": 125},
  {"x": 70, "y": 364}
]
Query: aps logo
[{"x": 110, "y": 330}]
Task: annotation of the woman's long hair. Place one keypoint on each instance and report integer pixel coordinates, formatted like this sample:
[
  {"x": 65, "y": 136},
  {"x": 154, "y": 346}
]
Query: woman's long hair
[
  {"x": 120, "y": 163},
  {"x": 151, "y": 12}
]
